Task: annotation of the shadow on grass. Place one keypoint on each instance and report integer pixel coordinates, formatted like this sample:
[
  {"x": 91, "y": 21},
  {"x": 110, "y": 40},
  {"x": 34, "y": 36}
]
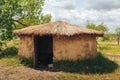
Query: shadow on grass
[
  {"x": 99, "y": 64},
  {"x": 9, "y": 52}
]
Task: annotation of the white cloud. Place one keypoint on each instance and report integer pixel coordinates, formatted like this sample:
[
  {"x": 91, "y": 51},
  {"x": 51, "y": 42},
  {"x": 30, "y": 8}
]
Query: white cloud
[
  {"x": 60, "y": 10},
  {"x": 64, "y": 4},
  {"x": 102, "y": 4}
]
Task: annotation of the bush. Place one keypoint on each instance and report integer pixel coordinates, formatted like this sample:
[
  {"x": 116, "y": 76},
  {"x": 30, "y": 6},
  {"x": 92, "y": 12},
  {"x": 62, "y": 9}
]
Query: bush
[{"x": 27, "y": 62}]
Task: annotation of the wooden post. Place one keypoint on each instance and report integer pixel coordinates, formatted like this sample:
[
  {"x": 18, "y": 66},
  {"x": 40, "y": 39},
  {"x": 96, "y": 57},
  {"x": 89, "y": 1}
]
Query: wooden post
[
  {"x": 118, "y": 41},
  {"x": 34, "y": 61},
  {"x": 34, "y": 54}
]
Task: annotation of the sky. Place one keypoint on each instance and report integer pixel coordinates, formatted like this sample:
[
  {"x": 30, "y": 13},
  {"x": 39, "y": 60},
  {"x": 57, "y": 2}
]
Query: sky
[{"x": 82, "y": 12}]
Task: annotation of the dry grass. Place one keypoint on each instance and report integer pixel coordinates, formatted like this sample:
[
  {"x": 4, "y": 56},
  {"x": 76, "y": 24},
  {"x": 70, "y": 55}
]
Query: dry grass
[
  {"x": 11, "y": 68},
  {"x": 109, "y": 47},
  {"x": 25, "y": 73}
]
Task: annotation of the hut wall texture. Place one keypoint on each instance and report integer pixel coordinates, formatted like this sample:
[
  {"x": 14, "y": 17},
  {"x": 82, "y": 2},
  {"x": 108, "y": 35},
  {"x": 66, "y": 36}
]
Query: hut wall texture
[
  {"x": 73, "y": 48},
  {"x": 26, "y": 46}
]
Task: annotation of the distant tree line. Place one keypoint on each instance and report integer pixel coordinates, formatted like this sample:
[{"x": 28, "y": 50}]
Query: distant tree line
[{"x": 102, "y": 27}]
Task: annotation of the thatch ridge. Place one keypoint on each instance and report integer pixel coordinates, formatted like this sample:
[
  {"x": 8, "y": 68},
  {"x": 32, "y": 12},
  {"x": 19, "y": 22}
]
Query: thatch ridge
[{"x": 56, "y": 28}]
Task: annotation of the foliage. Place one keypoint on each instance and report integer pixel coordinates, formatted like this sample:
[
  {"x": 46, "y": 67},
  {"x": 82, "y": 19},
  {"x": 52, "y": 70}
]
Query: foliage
[
  {"x": 99, "y": 27},
  {"x": 118, "y": 34},
  {"x": 118, "y": 30},
  {"x": 20, "y": 13},
  {"x": 9, "y": 57},
  {"x": 106, "y": 38},
  {"x": 9, "y": 52},
  {"x": 110, "y": 37},
  {"x": 26, "y": 61}
]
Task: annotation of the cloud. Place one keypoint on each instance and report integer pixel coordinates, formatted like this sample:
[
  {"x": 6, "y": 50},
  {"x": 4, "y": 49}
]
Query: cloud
[
  {"x": 102, "y": 4},
  {"x": 82, "y": 16},
  {"x": 64, "y": 4}
]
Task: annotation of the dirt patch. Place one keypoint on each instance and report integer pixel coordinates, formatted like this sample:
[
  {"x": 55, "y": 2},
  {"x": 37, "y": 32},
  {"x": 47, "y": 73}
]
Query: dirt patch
[{"x": 24, "y": 73}]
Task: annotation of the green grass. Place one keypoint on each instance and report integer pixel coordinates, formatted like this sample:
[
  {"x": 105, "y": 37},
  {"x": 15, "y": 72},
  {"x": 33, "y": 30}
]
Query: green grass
[
  {"x": 108, "y": 47},
  {"x": 13, "y": 61},
  {"x": 98, "y": 68},
  {"x": 98, "y": 64},
  {"x": 9, "y": 57}
]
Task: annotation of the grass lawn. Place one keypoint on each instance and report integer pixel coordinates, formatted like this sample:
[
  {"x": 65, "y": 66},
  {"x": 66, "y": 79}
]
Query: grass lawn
[
  {"x": 108, "y": 47},
  {"x": 100, "y": 68}
]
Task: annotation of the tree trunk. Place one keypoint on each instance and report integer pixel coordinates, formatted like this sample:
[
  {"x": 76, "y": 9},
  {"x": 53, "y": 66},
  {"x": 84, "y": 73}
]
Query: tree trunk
[
  {"x": 0, "y": 50},
  {"x": 118, "y": 41}
]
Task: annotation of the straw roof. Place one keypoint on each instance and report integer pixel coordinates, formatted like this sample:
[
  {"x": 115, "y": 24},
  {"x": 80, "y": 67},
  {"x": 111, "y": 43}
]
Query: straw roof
[{"x": 56, "y": 28}]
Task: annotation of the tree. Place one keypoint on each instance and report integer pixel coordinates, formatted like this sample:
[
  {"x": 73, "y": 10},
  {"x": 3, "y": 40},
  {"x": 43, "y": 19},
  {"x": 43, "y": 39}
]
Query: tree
[
  {"x": 118, "y": 34},
  {"x": 99, "y": 27},
  {"x": 102, "y": 27},
  {"x": 91, "y": 26},
  {"x": 20, "y": 13}
]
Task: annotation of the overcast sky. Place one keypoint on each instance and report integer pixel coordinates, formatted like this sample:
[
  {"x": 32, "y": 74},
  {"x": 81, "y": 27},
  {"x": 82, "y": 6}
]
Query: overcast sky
[{"x": 80, "y": 12}]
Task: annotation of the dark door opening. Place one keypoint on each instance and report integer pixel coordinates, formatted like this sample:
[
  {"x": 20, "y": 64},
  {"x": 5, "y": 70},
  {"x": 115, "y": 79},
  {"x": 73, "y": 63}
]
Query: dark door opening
[{"x": 43, "y": 50}]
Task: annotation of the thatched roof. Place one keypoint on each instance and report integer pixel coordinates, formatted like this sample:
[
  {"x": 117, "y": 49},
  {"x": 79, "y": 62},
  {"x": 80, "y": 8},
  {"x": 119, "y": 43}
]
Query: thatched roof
[{"x": 57, "y": 28}]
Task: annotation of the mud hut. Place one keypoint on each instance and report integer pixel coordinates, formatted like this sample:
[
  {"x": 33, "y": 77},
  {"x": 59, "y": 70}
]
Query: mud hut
[{"x": 56, "y": 41}]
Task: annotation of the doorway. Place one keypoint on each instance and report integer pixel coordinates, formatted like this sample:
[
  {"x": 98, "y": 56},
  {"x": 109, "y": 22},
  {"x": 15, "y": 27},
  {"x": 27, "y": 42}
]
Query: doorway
[{"x": 43, "y": 50}]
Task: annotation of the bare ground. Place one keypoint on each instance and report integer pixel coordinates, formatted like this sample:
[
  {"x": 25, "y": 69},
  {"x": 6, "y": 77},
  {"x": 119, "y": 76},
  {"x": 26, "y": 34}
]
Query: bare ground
[{"x": 26, "y": 73}]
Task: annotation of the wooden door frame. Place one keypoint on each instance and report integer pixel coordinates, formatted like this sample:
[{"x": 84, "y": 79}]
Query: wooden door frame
[{"x": 35, "y": 47}]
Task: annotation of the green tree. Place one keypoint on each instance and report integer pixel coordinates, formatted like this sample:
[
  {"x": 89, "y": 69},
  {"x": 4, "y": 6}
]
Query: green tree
[
  {"x": 102, "y": 27},
  {"x": 118, "y": 34},
  {"x": 20, "y": 13},
  {"x": 91, "y": 26},
  {"x": 99, "y": 27}
]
